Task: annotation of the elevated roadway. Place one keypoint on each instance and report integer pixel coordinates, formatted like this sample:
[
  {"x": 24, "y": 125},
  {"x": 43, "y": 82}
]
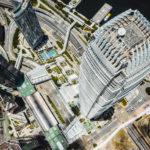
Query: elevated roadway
[
  {"x": 46, "y": 18},
  {"x": 18, "y": 62},
  {"x": 60, "y": 30},
  {"x": 67, "y": 36}
]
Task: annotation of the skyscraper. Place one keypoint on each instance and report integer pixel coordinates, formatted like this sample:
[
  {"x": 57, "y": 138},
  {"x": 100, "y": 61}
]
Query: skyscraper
[
  {"x": 27, "y": 22},
  {"x": 2, "y": 33},
  {"x": 9, "y": 76},
  {"x": 116, "y": 61}
]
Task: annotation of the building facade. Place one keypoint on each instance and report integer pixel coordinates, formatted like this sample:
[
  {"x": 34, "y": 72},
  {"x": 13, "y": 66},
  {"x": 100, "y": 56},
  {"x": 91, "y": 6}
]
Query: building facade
[
  {"x": 116, "y": 61},
  {"x": 9, "y": 76},
  {"x": 27, "y": 22}
]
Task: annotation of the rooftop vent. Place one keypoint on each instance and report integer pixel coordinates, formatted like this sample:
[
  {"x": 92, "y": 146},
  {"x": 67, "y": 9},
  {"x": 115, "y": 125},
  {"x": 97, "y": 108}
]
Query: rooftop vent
[{"x": 121, "y": 32}]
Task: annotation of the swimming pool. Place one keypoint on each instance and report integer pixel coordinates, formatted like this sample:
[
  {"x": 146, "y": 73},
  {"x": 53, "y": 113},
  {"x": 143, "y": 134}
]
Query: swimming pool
[
  {"x": 44, "y": 56},
  {"x": 48, "y": 55},
  {"x": 52, "y": 53}
]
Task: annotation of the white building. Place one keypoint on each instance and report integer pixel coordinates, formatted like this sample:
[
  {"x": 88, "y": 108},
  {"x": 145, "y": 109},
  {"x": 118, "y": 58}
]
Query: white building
[
  {"x": 116, "y": 61},
  {"x": 74, "y": 131}
]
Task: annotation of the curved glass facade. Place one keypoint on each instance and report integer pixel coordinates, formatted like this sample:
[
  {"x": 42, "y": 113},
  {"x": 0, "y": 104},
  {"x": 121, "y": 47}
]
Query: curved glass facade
[{"x": 114, "y": 64}]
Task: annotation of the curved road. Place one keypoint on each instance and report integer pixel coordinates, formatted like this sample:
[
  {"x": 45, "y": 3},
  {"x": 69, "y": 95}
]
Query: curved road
[{"x": 45, "y": 18}]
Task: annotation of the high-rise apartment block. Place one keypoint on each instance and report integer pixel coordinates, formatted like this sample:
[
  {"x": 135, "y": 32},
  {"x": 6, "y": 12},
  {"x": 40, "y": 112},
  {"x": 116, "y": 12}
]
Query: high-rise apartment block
[
  {"x": 9, "y": 76},
  {"x": 116, "y": 61},
  {"x": 27, "y": 22}
]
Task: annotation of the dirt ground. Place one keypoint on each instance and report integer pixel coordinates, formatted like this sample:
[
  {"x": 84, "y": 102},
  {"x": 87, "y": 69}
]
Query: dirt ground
[
  {"x": 144, "y": 128},
  {"x": 120, "y": 142}
]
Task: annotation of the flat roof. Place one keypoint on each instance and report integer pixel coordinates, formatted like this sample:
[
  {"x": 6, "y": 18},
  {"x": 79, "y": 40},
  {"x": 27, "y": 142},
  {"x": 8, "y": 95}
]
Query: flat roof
[
  {"x": 54, "y": 136},
  {"x": 26, "y": 88},
  {"x": 41, "y": 111},
  {"x": 133, "y": 35},
  {"x": 102, "y": 12}
]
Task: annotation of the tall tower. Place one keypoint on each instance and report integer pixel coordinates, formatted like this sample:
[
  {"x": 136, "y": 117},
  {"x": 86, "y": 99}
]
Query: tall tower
[
  {"x": 115, "y": 62},
  {"x": 9, "y": 76},
  {"x": 27, "y": 22}
]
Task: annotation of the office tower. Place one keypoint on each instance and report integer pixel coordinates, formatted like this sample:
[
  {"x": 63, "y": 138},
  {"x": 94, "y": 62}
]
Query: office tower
[
  {"x": 7, "y": 97},
  {"x": 2, "y": 33},
  {"x": 9, "y": 76},
  {"x": 116, "y": 61},
  {"x": 27, "y": 22},
  {"x": 16, "y": 3},
  {"x": 36, "y": 142}
]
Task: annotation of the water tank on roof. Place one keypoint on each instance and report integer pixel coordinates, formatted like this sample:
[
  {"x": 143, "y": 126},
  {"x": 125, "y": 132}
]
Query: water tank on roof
[{"x": 121, "y": 32}]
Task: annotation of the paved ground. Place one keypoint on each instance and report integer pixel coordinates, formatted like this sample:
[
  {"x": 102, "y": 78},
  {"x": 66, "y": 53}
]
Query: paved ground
[
  {"x": 136, "y": 105},
  {"x": 90, "y": 7},
  {"x": 116, "y": 141},
  {"x": 48, "y": 89},
  {"x": 26, "y": 88}
]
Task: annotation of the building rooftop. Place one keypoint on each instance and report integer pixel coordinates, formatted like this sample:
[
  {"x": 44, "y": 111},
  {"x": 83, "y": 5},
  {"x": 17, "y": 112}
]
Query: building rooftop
[
  {"x": 9, "y": 146},
  {"x": 56, "y": 139},
  {"x": 26, "y": 88},
  {"x": 123, "y": 49},
  {"x": 41, "y": 111},
  {"x": 133, "y": 35}
]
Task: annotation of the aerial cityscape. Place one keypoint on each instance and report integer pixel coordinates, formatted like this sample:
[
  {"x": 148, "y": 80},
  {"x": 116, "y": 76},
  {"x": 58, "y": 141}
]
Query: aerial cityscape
[{"x": 74, "y": 75}]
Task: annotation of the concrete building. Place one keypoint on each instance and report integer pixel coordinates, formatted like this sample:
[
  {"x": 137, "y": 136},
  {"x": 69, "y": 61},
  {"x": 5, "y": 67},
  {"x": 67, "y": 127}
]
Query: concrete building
[
  {"x": 9, "y": 76},
  {"x": 116, "y": 61},
  {"x": 27, "y": 22}
]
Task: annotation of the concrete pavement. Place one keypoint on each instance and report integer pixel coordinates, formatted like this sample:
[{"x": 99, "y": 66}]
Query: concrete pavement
[{"x": 120, "y": 127}]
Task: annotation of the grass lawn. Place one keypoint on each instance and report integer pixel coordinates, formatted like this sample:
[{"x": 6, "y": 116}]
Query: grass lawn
[
  {"x": 68, "y": 62},
  {"x": 56, "y": 110},
  {"x": 62, "y": 79},
  {"x": 123, "y": 102},
  {"x": 68, "y": 55},
  {"x": 16, "y": 38},
  {"x": 43, "y": 7},
  {"x": 57, "y": 70},
  {"x": 78, "y": 62},
  {"x": 34, "y": 3},
  {"x": 82, "y": 40},
  {"x": 59, "y": 44},
  {"x": 49, "y": 70},
  {"x": 55, "y": 79},
  {"x": 148, "y": 90},
  {"x": 122, "y": 141},
  {"x": 63, "y": 64}
]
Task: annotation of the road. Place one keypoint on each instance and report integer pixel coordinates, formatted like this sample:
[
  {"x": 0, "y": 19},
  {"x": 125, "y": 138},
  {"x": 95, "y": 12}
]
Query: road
[
  {"x": 45, "y": 18},
  {"x": 9, "y": 40},
  {"x": 138, "y": 140},
  {"x": 60, "y": 30},
  {"x": 105, "y": 129},
  {"x": 120, "y": 127},
  {"x": 140, "y": 99}
]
